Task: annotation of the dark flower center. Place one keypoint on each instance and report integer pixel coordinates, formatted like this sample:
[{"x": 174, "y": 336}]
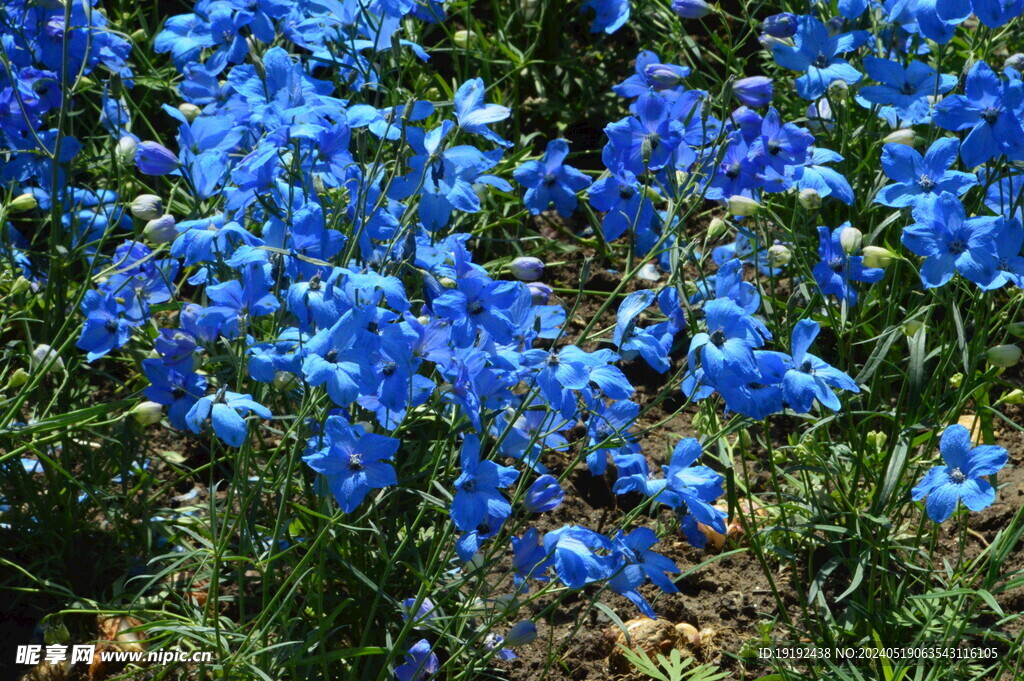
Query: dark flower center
[
  {"x": 110, "y": 326},
  {"x": 836, "y": 265},
  {"x": 177, "y": 393},
  {"x": 957, "y": 476},
  {"x": 718, "y": 337},
  {"x": 733, "y": 171},
  {"x": 331, "y": 356},
  {"x": 388, "y": 368},
  {"x": 991, "y": 114},
  {"x": 1003, "y": 265},
  {"x": 774, "y": 147},
  {"x": 821, "y": 61},
  {"x": 314, "y": 283},
  {"x": 807, "y": 367},
  {"x": 907, "y": 89},
  {"x": 957, "y": 246},
  {"x": 355, "y": 462},
  {"x": 469, "y": 485},
  {"x": 372, "y": 327},
  {"x": 926, "y": 183},
  {"x": 475, "y": 307},
  {"x": 550, "y": 179}
]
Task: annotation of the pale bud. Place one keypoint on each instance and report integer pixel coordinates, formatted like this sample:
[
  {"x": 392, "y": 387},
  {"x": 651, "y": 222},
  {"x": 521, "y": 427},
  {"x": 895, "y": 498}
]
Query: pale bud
[
  {"x": 903, "y": 136},
  {"x": 147, "y": 207},
  {"x": 911, "y": 328},
  {"x": 540, "y": 293},
  {"x": 527, "y": 268},
  {"x": 161, "y": 230},
  {"x": 742, "y": 206},
  {"x": 876, "y": 256},
  {"x": 1015, "y": 396},
  {"x": 189, "y": 111},
  {"x": 464, "y": 39},
  {"x": 809, "y": 199},
  {"x": 18, "y": 378},
  {"x": 522, "y": 633},
  {"x": 1003, "y": 355},
  {"x": 44, "y": 354},
  {"x": 147, "y": 413},
  {"x": 448, "y": 282},
  {"x": 138, "y": 35},
  {"x": 20, "y": 285},
  {"x": 850, "y": 239},
  {"x": 717, "y": 228},
  {"x": 779, "y": 255},
  {"x": 285, "y": 380},
  {"x": 1016, "y": 329},
  {"x": 21, "y": 202},
  {"x": 125, "y": 150}
]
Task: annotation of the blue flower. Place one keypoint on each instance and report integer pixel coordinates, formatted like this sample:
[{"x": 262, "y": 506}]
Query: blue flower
[
  {"x": 838, "y": 269},
  {"x": 353, "y": 461},
  {"x": 474, "y": 115},
  {"x": 1009, "y": 262},
  {"x": 633, "y": 340},
  {"x": 816, "y": 54},
  {"x": 988, "y": 112},
  {"x": 922, "y": 179},
  {"x": 645, "y": 141},
  {"x": 611, "y": 14},
  {"x": 574, "y": 555},
  {"x": 651, "y": 73},
  {"x": 152, "y": 158},
  {"x": 476, "y": 489},
  {"x": 960, "y": 479},
  {"x": 950, "y": 242},
  {"x": 550, "y": 181},
  {"x": 420, "y": 663},
  {"x": 726, "y": 349},
  {"x": 753, "y": 91},
  {"x": 635, "y": 562},
  {"x": 808, "y": 376},
  {"x": 905, "y": 89},
  {"x": 105, "y": 326},
  {"x": 224, "y": 409},
  {"x": 545, "y": 494},
  {"x": 625, "y": 203}
]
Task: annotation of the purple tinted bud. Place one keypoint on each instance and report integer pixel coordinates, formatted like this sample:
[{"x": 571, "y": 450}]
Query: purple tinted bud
[
  {"x": 835, "y": 25},
  {"x": 691, "y": 9},
  {"x": 161, "y": 230},
  {"x": 423, "y": 615},
  {"x": 753, "y": 91},
  {"x": 665, "y": 76},
  {"x": 780, "y": 25},
  {"x": 526, "y": 268},
  {"x": 540, "y": 292},
  {"x": 522, "y": 633},
  {"x": 545, "y": 494},
  {"x": 155, "y": 159}
]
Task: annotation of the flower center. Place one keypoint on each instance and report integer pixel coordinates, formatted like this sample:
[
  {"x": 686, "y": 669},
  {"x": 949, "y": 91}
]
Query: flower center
[
  {"x": 957, "y": 246},
  {"x": 821, "y": 61},
  {"x": 926, "y": 183},
  {"x": 836, "y": 264},
  {"x": 991, "y": 115},
  {"x": 718, "y": 337},
  {"x": 388, "y": 368},
  {"x": 355, "y": 462},
  {"x": 475, "y": 307},
  {"x": 550, "y": 179},
  {"x": 957, "y": 476}
]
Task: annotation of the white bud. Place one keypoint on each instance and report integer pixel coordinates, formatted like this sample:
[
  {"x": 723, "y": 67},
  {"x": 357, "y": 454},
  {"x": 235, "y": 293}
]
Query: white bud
[
  {"x": 463, "y": 39},
  {"x": 779, "y": 255},
  {"x": 1003, "y": 355},
  {"x": 810, "y": 199},
  {"x": 189, "y": 111},
  {"x": 903, "y": 136},
  {"x": 876, "y": 256},
  {"x": 850, "y": 239},
  {"x": 717, "y": 228},
  {"x": 147, "y": 413},
  {"x": 21, "y": 202},
  {"x": 147, "y": 207},
  {"x": 44, "y": 354},
  {"x": 742, "y": 206},
  {"x": 125, "y": 150}
]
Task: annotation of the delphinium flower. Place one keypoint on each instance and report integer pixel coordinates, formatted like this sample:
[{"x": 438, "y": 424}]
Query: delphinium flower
[
  {"x": 579, "y": 556},
  {"x": 545, "y": 494},
  {"x": 353, "y": 461},
  {"x": 474, "y": 114},
  {"x": 808, "y": 377},
  {"x": 644, "y": 141},
  {"x": 106, "y": 324},
  {"x": 989, "y": 112},
  {"x": 651, "y": 74},
  {"x": 476, "y": 489},
  {"x": 726, "y": 350},
  {"x": 905, "y": 89},
  {"x": 838, "y": 269},
  {"x": 688, "y": 488},
  {"x": 920, "y": 179},
  {"x": 816, "y": 53},
  {"x": 950, "y": 242},
  {"x": 960, "y": 479},
  {"x": 632, "y": 340},
  {"x": 753, "y": 91},
  {"x": 1009, "y": 261},
  {"x": 635, "y": 563},
  {"x": 611, "y": 15},
  {"x": 691, "y": 9},
  {"x": 175, "y": 389},
  {"x": 420, "y": 663},
  {"x": 529, "y": 560},
  {"x": 624, "y": 202},
  {"x": 224, "y": 410},
  {"x": 550, "y": 181}
]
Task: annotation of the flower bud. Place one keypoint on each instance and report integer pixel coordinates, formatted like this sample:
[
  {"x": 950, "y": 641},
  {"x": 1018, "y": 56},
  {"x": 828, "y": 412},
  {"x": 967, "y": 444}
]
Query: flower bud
[
  {"x": 147, "y": 413},
  {"x": 540, "y": 293},
  {"x": 876, "y": 256},
  {"x": 717, "y": 228},
  {"x": 18, "y": 378},
  {"x": 1003, "y": 355},
  {"x": 1014, "y": 61},
  {"x": 850, "y": 239},
  {"x": 838, "y": 88},
  {"x": 527, "y": 268},
  {"x": 522, "y": 633},
  {"x": 448, "y": 282},
  {"x": 691, "y": 9},
  {"x": 147, "y": 207},
  {"x": 819, "y": 115},
  {"x": 753, "y": 91},
  {"x": 463, "y": 39},
  {"x": 903, "y": 136},
  {"x": 1016, "y": 329},
  {"x": 809, "y": 198},
  {"x": 285, "y": 380},
  {"x": 528, "y": 8},
  {"x": 544, "y": 494},
  {"x": 779, "y": 255},
  {"x": 20, "y": 285},
  {"x": 21, "y": 202},
  {"x": 780, "y": 25},
  {"x": 189, "y": 111},
  {"x": 152, "y": 158},
  {"x": 138, "y": 35},
  {"x": 876, "y": 439},
  {"x": 125, "y": 150},
  {"x": 956, "y": 380},
  {"x": 742, "y": 206},
  {"x": 161, "y": 230},
  {"x": 664, "y": 76},
  {"x": 768, "y": 42},
  {"x": 1015, "y": 396},
  {"x": 44, "y": 354}
]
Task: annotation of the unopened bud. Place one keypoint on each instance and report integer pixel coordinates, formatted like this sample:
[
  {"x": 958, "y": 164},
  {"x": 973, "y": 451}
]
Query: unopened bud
[
  {"x": 189, "y": 111},
  {"x": 876, "y": 439},
  {"x": 147, "y": 207},
  {"x": 809, "y": 199},
  {"x": 464, "y": 39},
  {"x": 147, "y": 413},
  {"x": 522, "y": 633},
  {"x": 876, "y": 256},
  {"x": 285, "y": 380},
  {"x": 161, "y": 230},
  {"x": 18, "y": 378},
  {"x": 1003, "y": 355},
  {"x": 540, "y": 293},
  {"x": 1016, "y": 329},
  {"x": 125, "y": 150},
  {"x": 1014, "y": 61},
  {"x": 742, "y": 206},
  {"x": 545, "y": 494},
  {"x": 903, "y": 136},
  {"x": 956, "y": 380},
  {"x": 45, "y": 355},
  {"x": 20, "y": 285},
  {"x": 717, "y": 228},
  {"x": 1015, "y": 396},
  {"x": 448, "y": 282},
  {"x": 21, "y": 202},
  {"x": 850, "y": 239},
  {"x": 779, "y": 255},
  {"x": 527, "y": 268},
  {"x": 911, "y": 328}
]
